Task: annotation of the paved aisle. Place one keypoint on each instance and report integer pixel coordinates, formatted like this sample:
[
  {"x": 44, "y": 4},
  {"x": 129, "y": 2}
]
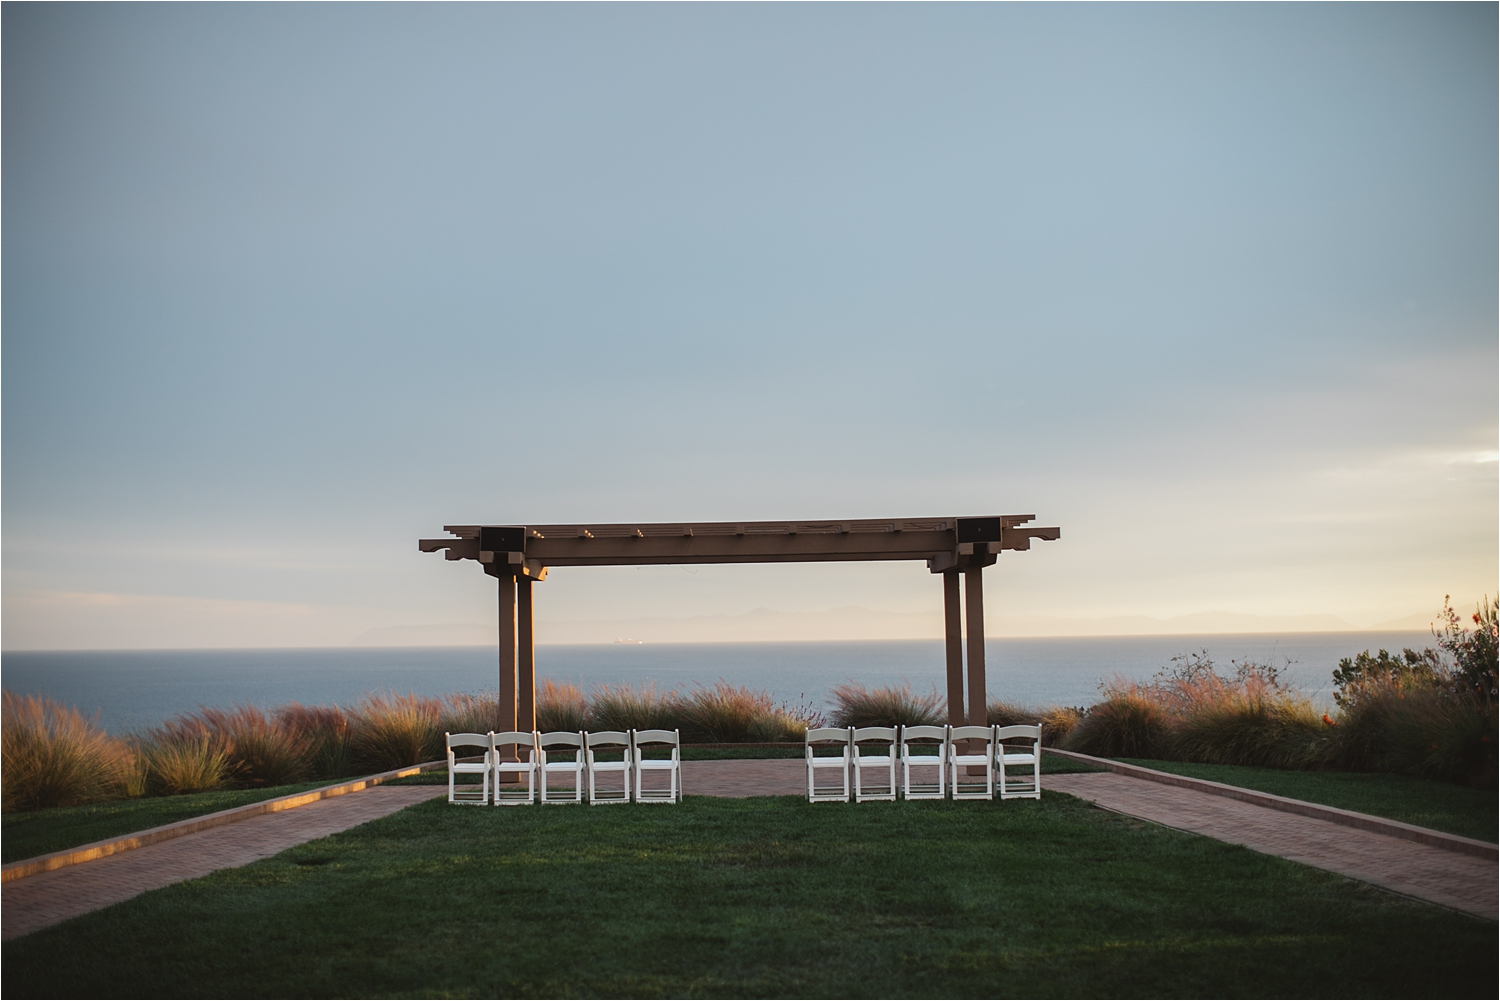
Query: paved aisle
[
  {"x": 47, "y": 898},
  {"x": 1463, "y": 882},
  {"x": 737, "y": 779}
]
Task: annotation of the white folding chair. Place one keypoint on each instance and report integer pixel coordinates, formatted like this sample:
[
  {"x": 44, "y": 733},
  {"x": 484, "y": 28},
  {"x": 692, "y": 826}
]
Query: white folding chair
[
  {"x": 979, "y": 753},
  {"x": 514, "y": 753},
  {"x": 881, "y": 755},
  {"x": 610, "y": 742},
  {"x": 924, "y": 747},
  {"x": 1030, "y": 753},
  {"x": 466, "y": 793},
  {"x": 828, "y": 737},
  {"x": 657, "y": 740},
  {"x": 550, "y": 763}
]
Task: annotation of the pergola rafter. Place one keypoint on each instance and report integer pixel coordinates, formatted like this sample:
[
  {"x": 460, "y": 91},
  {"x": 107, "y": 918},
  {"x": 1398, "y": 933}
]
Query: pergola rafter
[{"x": 520, "y": 555}]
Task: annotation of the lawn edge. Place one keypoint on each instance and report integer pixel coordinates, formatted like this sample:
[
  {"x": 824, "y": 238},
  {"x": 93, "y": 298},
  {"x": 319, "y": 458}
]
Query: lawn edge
[
  {"x": 154, "y": 835},
  {"x": 1348, "y": 818}
]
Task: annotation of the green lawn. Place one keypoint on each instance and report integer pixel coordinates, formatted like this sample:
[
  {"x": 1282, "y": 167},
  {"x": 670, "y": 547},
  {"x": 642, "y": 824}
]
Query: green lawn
[
  {"x": 1442, "y": 806},
  {"x": 767, "y": 897},
  {"x": 26, "y": 835}
]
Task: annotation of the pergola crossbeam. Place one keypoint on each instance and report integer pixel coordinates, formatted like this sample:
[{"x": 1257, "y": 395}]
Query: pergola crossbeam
[{"x": 520, "y": 555}]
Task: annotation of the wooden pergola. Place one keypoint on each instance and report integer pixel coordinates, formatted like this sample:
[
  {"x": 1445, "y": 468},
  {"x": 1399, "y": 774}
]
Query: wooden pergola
[{"x": 519, "y": 555}]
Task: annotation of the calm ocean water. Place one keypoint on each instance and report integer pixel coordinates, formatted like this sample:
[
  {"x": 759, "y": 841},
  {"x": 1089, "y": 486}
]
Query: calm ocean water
[{"x": 133, "y": 689}]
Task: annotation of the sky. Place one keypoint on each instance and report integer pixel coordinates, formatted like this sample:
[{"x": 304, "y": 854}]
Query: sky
[{"x": 287, "y": 287}]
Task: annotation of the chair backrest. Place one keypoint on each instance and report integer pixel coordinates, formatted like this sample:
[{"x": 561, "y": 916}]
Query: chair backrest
[
  {"x": 1032, "y": 733},
  {"x": 607, "y": 738},
  {"x": 560, "y": 738},
  {"x": 923, "y": 732},
  {"x": 517, "y": 737},
  {"x": 828, "y": 735},
  {"x": 468, "y": 740},
  {"x": 656, "y": 737},
  {"x": 984, "y": 733},
  {"x": 885, "y": 733}
]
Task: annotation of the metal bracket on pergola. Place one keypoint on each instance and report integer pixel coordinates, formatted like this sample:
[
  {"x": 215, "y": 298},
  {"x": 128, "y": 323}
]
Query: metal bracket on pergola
[{"x": 519, "y": 555}]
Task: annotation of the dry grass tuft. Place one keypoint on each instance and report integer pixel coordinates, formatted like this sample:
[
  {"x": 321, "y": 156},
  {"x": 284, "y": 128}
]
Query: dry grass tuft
[
  {"x": 627, "y": 707},
  {"x": 894, "y": 705},
  {"x": 175, "y": 764},
  {"x": 327, "y": 731},
  {"x": 51, "y": 756},
  {"x": 394, "y": 731},
  {"x": 561, "y": 707}
]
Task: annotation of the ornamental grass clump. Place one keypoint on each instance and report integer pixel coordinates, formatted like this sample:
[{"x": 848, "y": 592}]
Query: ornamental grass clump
[
  {"x": 1265, "y": 729},
  {"x": 50, "y": 755},
  {"x": 467, "y": 713},
  {"x": 561, "y": 707},
  {"x": 326, "y": 729},
  {"x": 1056, "y": 721},
  {"x": 734, "y": 714},
  {"x": 627, "y": 707},
  {"x": 173, "y": 764},
  {"x": 259, "y": 748},
  {"x": 894, "y": 705},
  {"x": 722, "y": 714},
  {"x": 1127, "y": 724},
  {"x": 395, "y": 731}
]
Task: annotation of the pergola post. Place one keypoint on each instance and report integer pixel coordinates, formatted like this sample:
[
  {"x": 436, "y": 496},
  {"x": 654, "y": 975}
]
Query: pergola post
[
  {"x": 974, "y": 606},
  {"x": 526, "y": 657},
  {"x": 952, "y": 628},
  {"x": 507, "y": 717}
]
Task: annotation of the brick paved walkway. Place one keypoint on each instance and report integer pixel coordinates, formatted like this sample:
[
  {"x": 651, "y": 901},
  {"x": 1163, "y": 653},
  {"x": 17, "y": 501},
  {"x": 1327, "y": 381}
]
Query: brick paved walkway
[
  {"x": 1462, "y": 882},
  {"x": 739, "y": 779},
  {"x": 45, "y": 899}
]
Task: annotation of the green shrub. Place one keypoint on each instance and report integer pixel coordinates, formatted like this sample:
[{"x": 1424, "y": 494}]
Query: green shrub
[
  {"x": 561, "y": 707},
  {"x": 1412, "y": 669},
  {"x": 1432, "y": 732},
  {"x": 51, "y": 756},
  {"x": 394, "y": 731},
  {"x": 1474, "y": 652},
  {"x": 895, "y": 705},
  {"x": 1123, "y": 726}
]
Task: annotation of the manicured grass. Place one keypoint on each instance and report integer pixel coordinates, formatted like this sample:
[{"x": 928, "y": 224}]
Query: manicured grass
[
  {"x": 1442, "y": 806},
  {"x": 26, "y": 835},
  {"x": 767, "y": 897}
]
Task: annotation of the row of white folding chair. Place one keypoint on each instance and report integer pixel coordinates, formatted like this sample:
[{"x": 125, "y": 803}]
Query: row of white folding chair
[
  {"x": 537, "y": 766},
  {"x": 956, "y": 752}
]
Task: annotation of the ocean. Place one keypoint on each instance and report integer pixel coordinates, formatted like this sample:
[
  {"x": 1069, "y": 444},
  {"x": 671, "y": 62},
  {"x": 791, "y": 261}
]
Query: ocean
[{"x": 132, "y": 689}]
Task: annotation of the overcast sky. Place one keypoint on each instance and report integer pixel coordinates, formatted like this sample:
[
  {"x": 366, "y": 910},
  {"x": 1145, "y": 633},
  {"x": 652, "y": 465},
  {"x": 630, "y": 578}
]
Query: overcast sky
[{"x": 288, "y": 286}]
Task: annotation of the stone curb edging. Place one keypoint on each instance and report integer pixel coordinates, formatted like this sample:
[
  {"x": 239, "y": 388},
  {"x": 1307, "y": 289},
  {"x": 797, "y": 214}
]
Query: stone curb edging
[
  {"x": 1348, "y": 818},
  {"x": 154, "y": 835}
]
